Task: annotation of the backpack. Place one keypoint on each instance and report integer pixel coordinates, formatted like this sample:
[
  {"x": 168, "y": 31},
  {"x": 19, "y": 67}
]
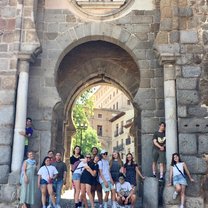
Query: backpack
[{"x": 75, "y": 165}]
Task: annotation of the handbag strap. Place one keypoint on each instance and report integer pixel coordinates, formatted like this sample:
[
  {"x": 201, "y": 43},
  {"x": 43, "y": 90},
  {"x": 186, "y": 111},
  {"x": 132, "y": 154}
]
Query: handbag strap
[
  {"x": 48, "y": 171},
  {"x": 180, "y": 171}
]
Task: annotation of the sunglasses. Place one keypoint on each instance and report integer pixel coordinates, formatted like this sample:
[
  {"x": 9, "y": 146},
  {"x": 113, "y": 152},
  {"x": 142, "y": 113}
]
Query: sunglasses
[
  {"x": 105, "y": 153},
  {"x": 88, "y": 157}
]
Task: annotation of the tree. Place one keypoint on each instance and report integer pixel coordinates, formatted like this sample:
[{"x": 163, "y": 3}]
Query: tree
[{"x": 82, "y": 111}]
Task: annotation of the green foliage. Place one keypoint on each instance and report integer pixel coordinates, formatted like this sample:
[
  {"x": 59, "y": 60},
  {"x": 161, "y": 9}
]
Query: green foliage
[{"x": 82, "y": 111}]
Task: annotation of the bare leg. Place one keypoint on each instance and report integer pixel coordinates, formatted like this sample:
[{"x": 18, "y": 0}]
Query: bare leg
[
  {"x": 83, "y": 194},
  {"x": 154, "y": 169},
  {"x": 183, "y": 194},
  {"x": 43, "y": 194},
  {"x": 77, "y": 190},
  {"x": 51, "y": 193},
  {"x": 133, "y": 200},
  {"x": 88, "y": 189}
]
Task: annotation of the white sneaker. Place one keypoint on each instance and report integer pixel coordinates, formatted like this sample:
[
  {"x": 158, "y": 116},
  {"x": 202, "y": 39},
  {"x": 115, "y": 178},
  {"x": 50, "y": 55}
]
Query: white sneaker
[
  {"x": 181, "y": 206},
  {"x": 58, "y": 206},
  {"x": 175, "y": 194},
  {"x": 49, "y": 206}
]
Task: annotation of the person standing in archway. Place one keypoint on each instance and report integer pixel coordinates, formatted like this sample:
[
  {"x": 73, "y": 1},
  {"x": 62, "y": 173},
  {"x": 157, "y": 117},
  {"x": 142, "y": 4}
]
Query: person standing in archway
[
  {"x": 158, "y": 150},
  {"x": 96, "y": 186}
]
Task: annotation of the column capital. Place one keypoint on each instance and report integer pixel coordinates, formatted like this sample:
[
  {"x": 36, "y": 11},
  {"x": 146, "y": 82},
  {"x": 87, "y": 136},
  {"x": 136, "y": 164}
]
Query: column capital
[
  {"x": 168, "y": 58},
  {"x": 25, "y": 56}
]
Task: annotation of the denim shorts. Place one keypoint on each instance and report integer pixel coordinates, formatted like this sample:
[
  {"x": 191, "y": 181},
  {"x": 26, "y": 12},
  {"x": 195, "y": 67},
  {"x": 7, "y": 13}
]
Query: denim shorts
[
  {"x": 110, "y": 187},
  {"x": 76, "y": 177},
  {"x": 43, "y": 182}
]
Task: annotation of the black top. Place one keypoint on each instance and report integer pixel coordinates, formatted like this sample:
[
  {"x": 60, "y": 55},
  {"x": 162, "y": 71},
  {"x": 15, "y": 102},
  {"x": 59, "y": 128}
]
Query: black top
[
  {"x": 160, "y": 137},
  {"x": 73, "y": 159},
  {"x": 86, "y": 176},
  {"x": 131, "y": 173}
]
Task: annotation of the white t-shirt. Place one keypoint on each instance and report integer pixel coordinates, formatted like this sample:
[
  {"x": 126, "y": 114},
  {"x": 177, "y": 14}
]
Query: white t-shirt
[
  {"x": 46, "y": 171},
  {"x": 124, "y": 188},
  {"x": 80, "y": 167},
  {"x": 104, "y": 166}
]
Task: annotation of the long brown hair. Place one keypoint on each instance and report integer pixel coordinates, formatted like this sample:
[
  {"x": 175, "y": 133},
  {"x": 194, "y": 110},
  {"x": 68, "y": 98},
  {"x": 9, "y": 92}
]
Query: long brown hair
[{"x": 119, "y": 159}]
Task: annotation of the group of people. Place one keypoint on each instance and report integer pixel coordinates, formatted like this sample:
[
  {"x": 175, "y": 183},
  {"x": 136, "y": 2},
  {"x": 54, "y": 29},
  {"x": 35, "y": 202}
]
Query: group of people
[
  {"x": 51, "y": 178},
  {"x": 94, "y": 172}
]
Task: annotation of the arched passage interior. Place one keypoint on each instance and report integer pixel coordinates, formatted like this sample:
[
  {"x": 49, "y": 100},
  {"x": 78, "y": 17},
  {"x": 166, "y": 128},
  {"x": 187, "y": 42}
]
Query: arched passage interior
[{"x": 88, "y": 64}]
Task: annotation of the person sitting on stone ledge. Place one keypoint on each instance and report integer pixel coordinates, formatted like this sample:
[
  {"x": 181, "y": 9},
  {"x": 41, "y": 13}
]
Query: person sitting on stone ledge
[
  {"x": 158, "y": 150},
  {"x": 178, "y": 177}
]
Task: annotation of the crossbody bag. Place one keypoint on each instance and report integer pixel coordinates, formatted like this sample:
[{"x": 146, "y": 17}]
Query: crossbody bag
[{"x": 180, "y": 171}]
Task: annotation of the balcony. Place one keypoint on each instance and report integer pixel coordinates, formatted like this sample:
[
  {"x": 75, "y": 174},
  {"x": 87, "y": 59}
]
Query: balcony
[{"x": 118, "y": 148}]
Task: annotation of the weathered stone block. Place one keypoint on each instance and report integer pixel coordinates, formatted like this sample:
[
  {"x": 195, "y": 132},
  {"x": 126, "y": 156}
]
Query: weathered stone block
[
  {"x": 187, "y": 125},
  {"x": 174, "y": 36},
  {"x": 168, "y": 196},
  {"x": 159, "y": 93},
  {"x": 52, "y": 17},
  {"x": 7, "y": 115},
  {"x": 14, "y": 178},
  {"x": 170, "y": 48},
  {"x": 203, "y": 144},
  {"x": 185, "y": 12},
  {"x": 150, "y": 193},
  {"x": 194, "y": 189},
  {"x": 8, "y": 193},
  {"x": 4, "y": 64},
  {"x": 189, "y": 37},
  {"x": 5, "y": 153},
  {"x": 4, "y": 172},
  {"x": 182, "y": 111},
  {"x": 188, "y": 97},
  {"x": 157, "y": 82},
  {"x": 198, "y": 111},
  {"x": 6, "y": 136},
  {"x": 205, "y": 37},
  {"x": 147, "y": 113},
  {"x": 7, "y": 97},
  {"x": 149, "y": 125},
  {"x": 187, "y": 144},
  {"x": 188, "y": 83},
  {"x": 195, "y": 165},
  {"x": 166, "y": 24},
  {"x": 194, "y": 202},
  {"x": 191, "y": 71}
]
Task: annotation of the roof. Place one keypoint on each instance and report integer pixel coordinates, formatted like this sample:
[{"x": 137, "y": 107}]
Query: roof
[{"x": 117, "y": 116}]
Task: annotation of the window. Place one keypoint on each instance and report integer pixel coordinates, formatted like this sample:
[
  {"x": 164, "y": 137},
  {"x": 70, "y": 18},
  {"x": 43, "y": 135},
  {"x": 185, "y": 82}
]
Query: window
[
  {"x": 116, "y": 131},
  {"x": 121, "y": 129},
  {"x": 113, "y": 107},
  {"x": 99, "y": 130},
  {"x": 117, "y": 106},
  {"x": 100, "y": 115}
]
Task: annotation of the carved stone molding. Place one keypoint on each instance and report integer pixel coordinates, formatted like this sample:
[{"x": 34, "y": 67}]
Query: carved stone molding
[{"x": 101, "y": 9}]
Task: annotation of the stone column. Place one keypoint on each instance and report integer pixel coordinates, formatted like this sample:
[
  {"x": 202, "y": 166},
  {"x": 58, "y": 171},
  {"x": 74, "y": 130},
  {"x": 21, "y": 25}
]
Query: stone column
[
  {"x": 21, "y": 112},
  {"x": 170, "y": 110}
]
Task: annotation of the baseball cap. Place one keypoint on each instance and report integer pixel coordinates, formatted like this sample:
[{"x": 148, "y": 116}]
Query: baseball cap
[{"x": 103, "y": 151}]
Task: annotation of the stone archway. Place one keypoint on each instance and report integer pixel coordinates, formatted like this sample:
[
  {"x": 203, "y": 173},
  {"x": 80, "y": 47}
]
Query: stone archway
[{"x": 91, "y": 63}]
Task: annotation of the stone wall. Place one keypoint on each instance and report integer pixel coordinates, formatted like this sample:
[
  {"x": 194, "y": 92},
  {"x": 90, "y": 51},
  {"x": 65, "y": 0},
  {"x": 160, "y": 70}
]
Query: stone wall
[
  {"x": 9, "y": 37},
  {"x": 182, "y": 36}
]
